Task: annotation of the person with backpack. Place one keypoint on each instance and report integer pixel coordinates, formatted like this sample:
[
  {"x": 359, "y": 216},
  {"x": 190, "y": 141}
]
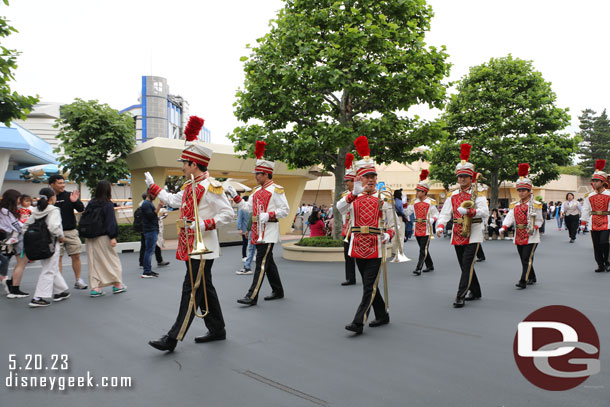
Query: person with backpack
[
  {"x": 41, "y": 237},
  {"x": 98, "y": 225},
  {"x": 150, "y": 230},
  {"x": 9, "y": 222},
  {"x": 68, "y": 202}
]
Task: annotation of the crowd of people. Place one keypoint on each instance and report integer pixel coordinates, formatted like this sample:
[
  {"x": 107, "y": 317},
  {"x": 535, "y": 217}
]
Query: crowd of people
[{"x": 45, "y": 227}]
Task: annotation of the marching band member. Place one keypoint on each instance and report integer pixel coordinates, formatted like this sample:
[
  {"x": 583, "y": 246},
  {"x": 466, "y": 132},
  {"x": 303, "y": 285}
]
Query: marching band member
[
  {"x": 367, "y": 210},
  {"x": 466, "y": 242},
  {"x": 214, "y": 209},
  {"x": 526, "y": 215},
  {"x": 267, "y": 204},
  {"x": 425, "y": 216},
  {"x": 350, "y": 264},
  {"x": 597, "y": 207}
]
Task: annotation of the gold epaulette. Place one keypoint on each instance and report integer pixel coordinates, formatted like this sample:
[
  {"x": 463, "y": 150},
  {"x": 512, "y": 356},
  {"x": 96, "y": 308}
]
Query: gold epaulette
[
  {"x": 587, "y": 194},
  {"x": 432, "y": 201},
  {"x": 513, "y": 204},
  {"x": 183, "y": 187},
  {"x": 215, "y": 187},
  {"x": 344, "y": 194},
  {"x": 412, "y": 202},
  {"x": 537, "y": 205},
  {"x": 279, "y": 189}
]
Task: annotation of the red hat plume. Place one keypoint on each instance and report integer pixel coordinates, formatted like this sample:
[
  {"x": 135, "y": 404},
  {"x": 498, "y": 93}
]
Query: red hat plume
[
  {"x": 600, "y": 164},
  {"x": 260, "y": 149},
  {"x": 524, "y": 169},
  {"x": 465, "y": 151},
  {"x": 362, "y": 146},
  {"x": 423, "y": 175},
  {"x": 193, "y": 127},
  {"x": 349, "y": 159}
]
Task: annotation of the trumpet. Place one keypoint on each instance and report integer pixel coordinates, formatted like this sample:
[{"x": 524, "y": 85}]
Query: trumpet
[
  {"x": 386, "y": 194},
  {"x": 197, "y": 249}
]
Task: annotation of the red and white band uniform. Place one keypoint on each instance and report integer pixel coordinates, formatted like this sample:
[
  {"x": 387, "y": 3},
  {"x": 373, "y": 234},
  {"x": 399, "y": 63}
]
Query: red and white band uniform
[
  {"x": 350, "y": 264},
  {"x": 426, "y": 214},
  {"x": 596, "y": 209}
]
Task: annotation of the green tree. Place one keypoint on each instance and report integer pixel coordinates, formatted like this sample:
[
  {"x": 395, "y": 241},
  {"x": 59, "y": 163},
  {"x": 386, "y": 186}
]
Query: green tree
[
  {"x": 595, "y": 135},
  {"x": 12, "y": 104},
  {"x": 506, "y": 111},
  {"x": 329, "y": 71},
  {"x": 95, "y": 140}
]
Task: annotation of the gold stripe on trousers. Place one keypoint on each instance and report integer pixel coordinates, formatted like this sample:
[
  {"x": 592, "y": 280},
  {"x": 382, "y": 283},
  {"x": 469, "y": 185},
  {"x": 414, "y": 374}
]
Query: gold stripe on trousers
[{"x": 262, "y": 274}]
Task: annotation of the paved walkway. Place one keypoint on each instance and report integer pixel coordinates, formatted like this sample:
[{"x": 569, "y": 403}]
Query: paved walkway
[{"x": 295, "y": 352}]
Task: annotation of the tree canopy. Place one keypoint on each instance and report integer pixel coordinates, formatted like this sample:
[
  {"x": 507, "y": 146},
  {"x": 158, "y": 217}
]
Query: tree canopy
[
  {"x": 329, "y": 71},
  {"x": 595, "y": 135},
  {"x": 506, "y": 111},
  {"x": 95, "y": 140},
  {"x": 12, "y": 104}
]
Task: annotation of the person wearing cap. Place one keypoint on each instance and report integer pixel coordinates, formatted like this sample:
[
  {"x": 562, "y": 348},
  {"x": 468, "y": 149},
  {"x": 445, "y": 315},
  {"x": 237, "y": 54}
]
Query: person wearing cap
[
  {"x": 214, "y": 210},
  {"x": 267, "y": 204},
  {"x": 596, "y": 208},
  {"x": 368, "y": 213},
  {"x": 526, "y": 215},
  {"x": 350, "y": 264},
  {"x": 426, "y": 214},
  {"x": 466, "y": 247}
]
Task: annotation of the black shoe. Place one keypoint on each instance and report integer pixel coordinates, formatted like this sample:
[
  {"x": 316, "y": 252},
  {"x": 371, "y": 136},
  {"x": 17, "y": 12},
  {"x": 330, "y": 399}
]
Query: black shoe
[
  {"x": 274, "y": 296},
  {"x": 348, "y": 282},
  {"x": 472, "y": 297},
  {"x": 600, "y": 270},
  {"x": 378, "y": 322},
  {"x": 571, "y": 240},
  {"x": 607, "y": 267},
  {"x": 428, "y": 270},
  {"x": 61, "y": 296},
  {"x": 483, "y": 259},
  {"x": 163, "y": 263},
  {"x": 531, "y": 282},
  {"x": 165, "y": 343},
  {"x": 417, "y": 272},
  {"x": 212, "y": 336},
  {"x": 459, "y": 303},
  {"x": 356, "y": 328},
  {"x": 246, "y": 301},
  {"x": 521, "y": 284}
]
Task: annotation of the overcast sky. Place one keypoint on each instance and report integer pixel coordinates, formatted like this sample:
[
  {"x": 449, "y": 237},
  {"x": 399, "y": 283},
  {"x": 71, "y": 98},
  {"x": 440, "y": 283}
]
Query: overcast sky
[{"x": 100, "y": 49}]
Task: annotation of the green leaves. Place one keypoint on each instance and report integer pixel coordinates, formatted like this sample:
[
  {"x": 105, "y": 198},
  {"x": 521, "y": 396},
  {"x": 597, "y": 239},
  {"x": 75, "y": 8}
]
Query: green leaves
[{"x": 96, "y": 140}]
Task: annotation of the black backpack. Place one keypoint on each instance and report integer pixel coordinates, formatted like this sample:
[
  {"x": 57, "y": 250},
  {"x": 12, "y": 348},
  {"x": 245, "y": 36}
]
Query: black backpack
[
  {"x": 92, "y": 222},
  {"x": 37, "y": 241},
  {"x": 137, "y": 220}
]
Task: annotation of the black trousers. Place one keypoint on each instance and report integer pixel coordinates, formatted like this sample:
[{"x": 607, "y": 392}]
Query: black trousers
[
  {"x": 526, "y": 252},
  {"x": 214, "y": 320},
  {"x": 369, "y": 269},
  {"x": 265, "y": 265},
  {"x": 158, "y": 255},
  {"x": 466, "y": 258},
  {"x": 480, "y": 253},
  {"x": 244, "y": 246},
  {"x": 350, "y": 264},
  {"x": 600, "y": 246},
  {"x": 572, "y": 224},
  {"x": 424, "y": 254}
]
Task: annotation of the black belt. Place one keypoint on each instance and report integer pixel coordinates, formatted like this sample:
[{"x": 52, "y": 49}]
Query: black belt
[
  {"x": 461, "y": 220},
  {"x": 364, "y": 230},
  {"x": 600, "y": 213}
]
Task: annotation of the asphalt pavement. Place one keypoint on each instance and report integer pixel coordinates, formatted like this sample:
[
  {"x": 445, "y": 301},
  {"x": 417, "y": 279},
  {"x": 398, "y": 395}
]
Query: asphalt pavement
[{"x": 295, "y": 351}]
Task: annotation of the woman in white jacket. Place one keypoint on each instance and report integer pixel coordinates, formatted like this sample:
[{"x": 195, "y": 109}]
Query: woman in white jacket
[{"x": 50, "y": 283}]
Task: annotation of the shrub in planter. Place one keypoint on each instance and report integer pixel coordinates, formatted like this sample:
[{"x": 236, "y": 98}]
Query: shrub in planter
[
  {"x": 320, "y": 241},
  {"x": 127, "y": 234}
]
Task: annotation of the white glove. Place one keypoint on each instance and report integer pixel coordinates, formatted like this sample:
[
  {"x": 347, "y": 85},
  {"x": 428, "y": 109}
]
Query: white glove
[
  {"x": 231, "y": 191},
  {"x": 201, "y": 226},
  {"x": 462, "y": 211},
  {"x": 148, "y": 179},
  {"x": 358, "y": 188},
  {"x": 386, "y": 238},
  {"x": 582, "y": 228},
  {"x": 439, "y": 231},
  {"x": 501, "y": 232},
  {"x": 263, "y": 218}
]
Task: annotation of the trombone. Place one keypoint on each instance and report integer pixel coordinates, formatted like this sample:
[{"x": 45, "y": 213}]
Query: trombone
[
  {"x": 388, "y": 196},
  {"x": 197, "y": 249}
]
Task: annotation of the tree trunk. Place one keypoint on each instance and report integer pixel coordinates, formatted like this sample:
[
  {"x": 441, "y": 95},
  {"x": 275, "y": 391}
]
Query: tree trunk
[
  {"x": 339, "y": 188},
  {"x": 494, "y": 190}
]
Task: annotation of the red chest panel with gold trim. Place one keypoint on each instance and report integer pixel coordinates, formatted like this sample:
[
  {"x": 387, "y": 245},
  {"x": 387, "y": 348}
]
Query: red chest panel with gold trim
[
  {"x": 599, "y": 202},
  {"x": 456, "y": 201},
  {"x": 187, "y": 210},
  {"x": 366, "y": 213},
  {"x": 421, "y": 212},
  {"x": 260, "y": 199},
  {"x": 520, "y": 212}
]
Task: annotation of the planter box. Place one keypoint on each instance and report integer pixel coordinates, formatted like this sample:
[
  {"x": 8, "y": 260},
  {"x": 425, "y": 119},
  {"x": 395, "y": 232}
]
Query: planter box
[{"x": 306, "y": 253}]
